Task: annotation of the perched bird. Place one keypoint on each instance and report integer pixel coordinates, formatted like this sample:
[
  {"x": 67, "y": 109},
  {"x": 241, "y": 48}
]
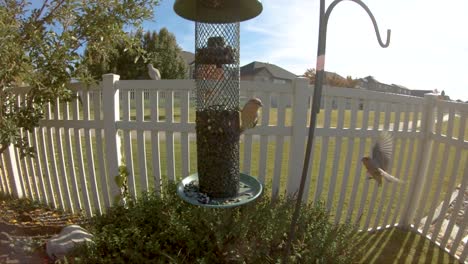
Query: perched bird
[
  {"x": 153, "y": 72},
  {"x": 249, "y": 114},
  {"x": 377, "y": 166}
]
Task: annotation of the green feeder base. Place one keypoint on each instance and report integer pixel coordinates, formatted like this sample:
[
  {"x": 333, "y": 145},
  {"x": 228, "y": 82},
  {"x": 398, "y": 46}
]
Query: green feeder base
[{"x": 249, "y": 190}]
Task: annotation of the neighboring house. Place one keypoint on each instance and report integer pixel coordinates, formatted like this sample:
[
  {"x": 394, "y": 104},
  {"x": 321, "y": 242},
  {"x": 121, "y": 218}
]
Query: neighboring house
[
  {"x": 266, "y": 72},
  {"x": 189, "y": 59},
  {"x": 370, "y": 83},
  {"x": 400, "y": 89},
  {"x": 420, "y": 93}
]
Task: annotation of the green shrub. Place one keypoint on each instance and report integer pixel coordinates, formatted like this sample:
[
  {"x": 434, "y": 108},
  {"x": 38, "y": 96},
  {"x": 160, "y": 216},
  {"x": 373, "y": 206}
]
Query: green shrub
[{"x": 167, "y": 230}]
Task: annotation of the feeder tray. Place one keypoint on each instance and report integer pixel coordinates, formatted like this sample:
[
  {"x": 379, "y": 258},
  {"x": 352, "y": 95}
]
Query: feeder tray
[{"x": 249, "y": 190}]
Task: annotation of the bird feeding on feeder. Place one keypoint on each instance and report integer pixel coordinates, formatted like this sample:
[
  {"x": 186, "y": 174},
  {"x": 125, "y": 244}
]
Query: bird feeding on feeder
[
  {"x": 377, "y": 165},
  {"x": 249, "y": 114},
  {"x": 153, "y": 72}
]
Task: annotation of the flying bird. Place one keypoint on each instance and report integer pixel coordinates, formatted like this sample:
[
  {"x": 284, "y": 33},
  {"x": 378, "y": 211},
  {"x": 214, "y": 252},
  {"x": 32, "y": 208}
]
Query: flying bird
[
  {"x": 153, "y": 72},
  {"x": 377, "y": 165},
  {"x": 249, "y": 114}
]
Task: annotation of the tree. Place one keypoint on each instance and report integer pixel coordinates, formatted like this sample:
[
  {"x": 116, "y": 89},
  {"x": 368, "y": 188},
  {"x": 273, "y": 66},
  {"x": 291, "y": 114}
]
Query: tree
[
  {"x": 310, "y": 74},
  {"x": 332, "y": 79},
  {"x": 40, "y": 47},
  {"x": 161, "y": 50}
]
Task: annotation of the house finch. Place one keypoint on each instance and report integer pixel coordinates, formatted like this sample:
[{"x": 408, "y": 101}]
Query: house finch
[
  {"x": 153, "y": 72},
  {"x": 378, "y": 164},
  {"x": 249, "y": 114}
]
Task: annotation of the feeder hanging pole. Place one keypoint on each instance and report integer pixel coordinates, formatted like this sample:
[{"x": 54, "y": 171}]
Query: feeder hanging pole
[{"x": 317, "y": 96}]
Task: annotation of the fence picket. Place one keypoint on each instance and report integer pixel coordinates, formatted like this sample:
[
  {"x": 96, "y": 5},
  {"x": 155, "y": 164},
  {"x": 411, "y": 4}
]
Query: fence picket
[
  {"x": 460, "y": 197},
  {"x": 71, "y": 160},
  {"x": 90, "y": 156},
  {"x": 275, "y": 189},
  {"x": 247, "y": 146},
  {"x": 104, "y": 186},
  {"x": 262, "y": 164},
  {"x": 337, "y": 154},
  {"x": 324, "y": 152},
  {"x": 38, "y": 161},
  {"x": 61, "y": 159},
  {"x": 375, "y": 186},
  {"x": 53, "y": 160},
  {"x": 412, "y": 167},
  {"x": 170, "y": 159},
  {"x": 127, "y": 137},
  {"x": 301, "y": 96},
  {"x": 45, "y": 166},
  {"x": 141, "y": 142},
  {"x": 156, "y": 159},
  {"x": 384, "y": 188},
  {"x": 399, "y": 156},
  {"x": 22, "y": 177},
  {"x": 357, "y": 172},
  {"x": 443, "y": 170},
  {"x": 80, "y": 160},
  {"x": 430, "y": 176},
  {"x": 184, "y": 136},
  {"x": 31, "y": 171},
  {"x": 349, "y": 155},
  {"x": 3, "y": 179}
]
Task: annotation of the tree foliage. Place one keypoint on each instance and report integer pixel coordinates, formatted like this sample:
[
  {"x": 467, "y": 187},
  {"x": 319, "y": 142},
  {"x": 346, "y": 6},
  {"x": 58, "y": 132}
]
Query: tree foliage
[
  {"x": 40, "y": 48},
  {"x": 161, "y": 50},
  {"x": 332, "y": 79}
]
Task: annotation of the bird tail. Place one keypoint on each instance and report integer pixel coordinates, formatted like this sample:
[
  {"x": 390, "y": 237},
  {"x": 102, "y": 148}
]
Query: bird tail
[{"x": 389, "y": 177}]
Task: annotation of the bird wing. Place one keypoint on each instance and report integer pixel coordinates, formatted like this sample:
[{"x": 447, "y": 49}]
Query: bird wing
[
  {"x": 389, "y": 177},
  {"x": 382, "y": 150}
]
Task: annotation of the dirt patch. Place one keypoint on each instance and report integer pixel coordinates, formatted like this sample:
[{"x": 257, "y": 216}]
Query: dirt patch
[{"x": 25, "y": 227}]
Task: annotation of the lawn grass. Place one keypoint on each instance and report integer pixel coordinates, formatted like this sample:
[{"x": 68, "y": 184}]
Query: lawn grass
[{"x": 273, "y": 116}]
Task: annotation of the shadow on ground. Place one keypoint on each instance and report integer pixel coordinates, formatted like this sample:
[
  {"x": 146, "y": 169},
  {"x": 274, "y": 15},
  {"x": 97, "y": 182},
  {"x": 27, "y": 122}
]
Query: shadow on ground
[{"x": 398, "y": 246}]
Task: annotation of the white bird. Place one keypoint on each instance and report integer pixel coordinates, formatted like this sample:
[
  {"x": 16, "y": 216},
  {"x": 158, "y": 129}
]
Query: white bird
[
  {"x": 153, "y": 72},
  {"x": 249, "y": 114}
]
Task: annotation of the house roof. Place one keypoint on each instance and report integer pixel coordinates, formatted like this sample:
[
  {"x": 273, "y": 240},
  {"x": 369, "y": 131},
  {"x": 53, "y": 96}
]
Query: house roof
[
  {"x": 400, "y": 86},
  {"x": 333, "y": 75},
  {"x": 276, "y": 71},
  {"x": 188, "y": 57},
  {"x": 420, "y": 92}
]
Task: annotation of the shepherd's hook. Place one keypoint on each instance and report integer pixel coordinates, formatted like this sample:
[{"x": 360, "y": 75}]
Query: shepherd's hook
[{"x": 316, "y": 102}]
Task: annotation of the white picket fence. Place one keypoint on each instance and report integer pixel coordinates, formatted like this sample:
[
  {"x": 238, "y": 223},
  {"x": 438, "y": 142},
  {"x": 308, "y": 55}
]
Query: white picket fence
[{"x": 149, "y": 126}]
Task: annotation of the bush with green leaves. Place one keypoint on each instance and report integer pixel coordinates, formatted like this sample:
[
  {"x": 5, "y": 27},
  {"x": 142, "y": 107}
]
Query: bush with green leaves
[
  {"x": 41, "y": 45},
  {"x": 166, "y": 229}
]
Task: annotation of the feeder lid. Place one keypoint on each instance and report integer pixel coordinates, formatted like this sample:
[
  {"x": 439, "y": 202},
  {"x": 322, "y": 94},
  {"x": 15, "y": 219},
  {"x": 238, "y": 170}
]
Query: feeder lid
[{"x": 218, "y": 11}]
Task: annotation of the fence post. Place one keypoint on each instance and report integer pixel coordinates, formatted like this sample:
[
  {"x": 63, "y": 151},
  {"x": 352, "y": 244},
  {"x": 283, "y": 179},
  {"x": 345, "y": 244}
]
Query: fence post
[
  {"x": 13, "y": 174},
  {"x": 300, "y": 107},
  {"x": 424, "y": 154},
  {"x": 111, "y": 111}
]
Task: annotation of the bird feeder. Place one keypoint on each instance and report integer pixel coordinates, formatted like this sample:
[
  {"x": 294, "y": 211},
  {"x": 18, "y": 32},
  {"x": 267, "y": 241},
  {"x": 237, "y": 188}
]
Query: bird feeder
[{"x": 217, "y": 82}]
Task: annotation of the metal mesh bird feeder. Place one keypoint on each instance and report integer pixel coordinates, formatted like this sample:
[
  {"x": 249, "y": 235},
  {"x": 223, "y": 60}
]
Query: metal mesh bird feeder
[{"x": 217, "y": 89}]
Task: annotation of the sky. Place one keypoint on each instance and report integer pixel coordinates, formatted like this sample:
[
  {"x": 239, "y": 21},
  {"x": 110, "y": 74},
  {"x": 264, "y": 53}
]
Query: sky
[{"x": 428, "y": 47}]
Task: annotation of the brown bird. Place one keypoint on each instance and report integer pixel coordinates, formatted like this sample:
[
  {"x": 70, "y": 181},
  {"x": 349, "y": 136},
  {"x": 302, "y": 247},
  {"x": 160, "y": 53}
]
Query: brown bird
[
  {"x": 377, "y": 166},
  {"x": 249, "y": 114}
]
